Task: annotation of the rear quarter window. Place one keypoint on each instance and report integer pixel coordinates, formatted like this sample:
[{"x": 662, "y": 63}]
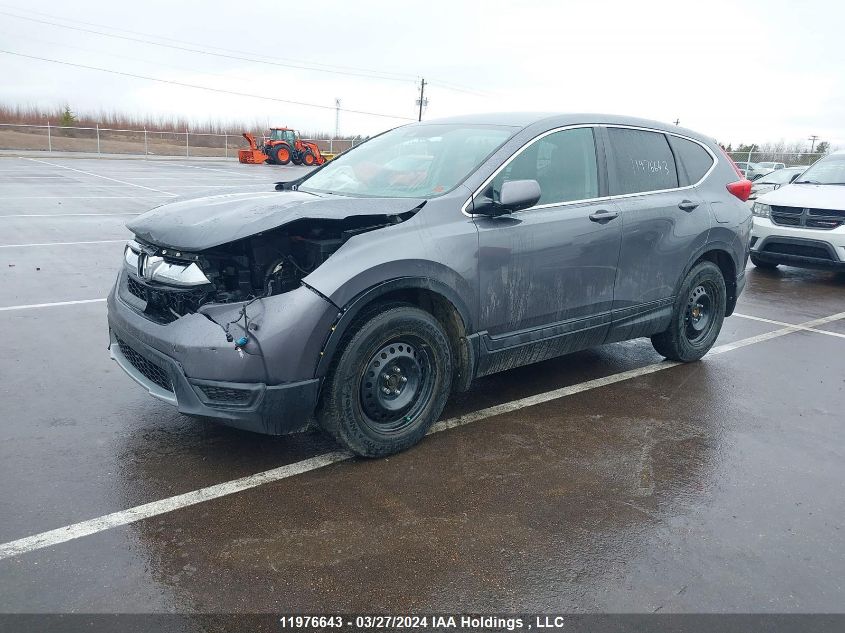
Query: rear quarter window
[
  {"x": 693, "y": 160},
  {"x": 642, "y": 162}
]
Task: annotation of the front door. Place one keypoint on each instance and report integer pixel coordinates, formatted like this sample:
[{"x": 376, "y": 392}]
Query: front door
[{"x": 547, "y": 273}]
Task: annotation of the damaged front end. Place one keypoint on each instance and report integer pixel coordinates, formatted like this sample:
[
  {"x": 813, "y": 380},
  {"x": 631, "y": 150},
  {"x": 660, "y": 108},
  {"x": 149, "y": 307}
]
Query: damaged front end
[
  {"x": 230, "y": 329},
  {"x": 172, "y": 283}
]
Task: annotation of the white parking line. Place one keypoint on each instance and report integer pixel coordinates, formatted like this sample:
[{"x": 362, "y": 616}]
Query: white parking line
[
  {"x": 50, "y": 305},
  {"x": 801, "y": 327},
  {"x": 155, "y": 508},
  {"x": 64, "y": 215},
  {"x": 223, "y": 171},
  {"x": 89, "y": 173},
  {"x": 61, "y": 243},
  {"x": 148, "y": 197}
]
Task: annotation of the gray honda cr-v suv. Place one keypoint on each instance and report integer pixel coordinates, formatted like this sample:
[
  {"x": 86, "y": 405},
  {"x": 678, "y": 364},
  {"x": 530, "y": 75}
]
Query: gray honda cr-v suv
[{"x": 362, "y": 294}]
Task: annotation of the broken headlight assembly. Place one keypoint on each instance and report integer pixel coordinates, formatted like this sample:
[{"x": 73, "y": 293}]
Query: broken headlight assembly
[
  {"x": 155, "y": 268},
  {"x": 173, "y": 283}
]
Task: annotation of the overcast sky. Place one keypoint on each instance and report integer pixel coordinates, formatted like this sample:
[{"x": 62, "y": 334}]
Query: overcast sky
[{"x": 751, "y": 71}]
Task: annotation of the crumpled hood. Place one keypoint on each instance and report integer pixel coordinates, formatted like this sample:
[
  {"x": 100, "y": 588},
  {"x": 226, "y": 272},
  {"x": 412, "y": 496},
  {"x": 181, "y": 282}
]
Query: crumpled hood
[
  {"x": 201, "y": 223},
  {"x": 809, "y": 196}
]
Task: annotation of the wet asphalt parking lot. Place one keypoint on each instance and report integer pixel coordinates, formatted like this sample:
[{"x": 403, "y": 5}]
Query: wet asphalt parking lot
[{"x": 606, "y": 480}]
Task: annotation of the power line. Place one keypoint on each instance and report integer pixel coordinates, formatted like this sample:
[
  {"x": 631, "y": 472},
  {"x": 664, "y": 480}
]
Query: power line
[
  {"x": 203, "y": 52},
  {"x": 242, "y": 55},
  {"x": 100, "y": 53},
  {"x": 404, "y": 76},
  {"x": 187, "y": 85}
]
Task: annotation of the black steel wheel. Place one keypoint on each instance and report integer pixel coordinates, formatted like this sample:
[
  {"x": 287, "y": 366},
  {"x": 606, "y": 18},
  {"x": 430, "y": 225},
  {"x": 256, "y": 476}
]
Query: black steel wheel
[
  {"x": 697, "y": 315},
  {"x": 389, "y": 381},
  {"x": 395, "y": 384}
]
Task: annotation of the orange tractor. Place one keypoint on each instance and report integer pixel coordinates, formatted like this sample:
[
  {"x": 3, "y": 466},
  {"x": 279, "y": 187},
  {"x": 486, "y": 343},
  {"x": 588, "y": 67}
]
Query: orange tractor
[{"x": 283, "y": 146}]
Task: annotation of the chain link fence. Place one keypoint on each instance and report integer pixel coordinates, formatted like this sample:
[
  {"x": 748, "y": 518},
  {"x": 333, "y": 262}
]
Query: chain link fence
[
  {"x": 789, "y": 159},
  {"x": 101, "y": 140}
]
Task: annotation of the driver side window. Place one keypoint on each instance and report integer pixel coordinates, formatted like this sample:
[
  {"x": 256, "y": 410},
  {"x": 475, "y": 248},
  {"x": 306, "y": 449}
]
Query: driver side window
[{"x": 563, "y": 163}]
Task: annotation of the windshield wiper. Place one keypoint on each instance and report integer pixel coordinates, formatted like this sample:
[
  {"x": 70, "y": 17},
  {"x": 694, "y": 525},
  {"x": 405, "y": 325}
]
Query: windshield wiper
[{"x": 807, "y": 182}]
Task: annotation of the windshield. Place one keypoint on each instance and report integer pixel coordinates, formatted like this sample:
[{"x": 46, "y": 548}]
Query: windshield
[
  {"x": 416, "y": 161},
  {"x": 779, "y": 177},
  {"x": 828, "y": 171},
  {"x": 281, "y": 135}
]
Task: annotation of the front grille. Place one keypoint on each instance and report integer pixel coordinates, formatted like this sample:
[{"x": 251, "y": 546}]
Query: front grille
[
  {"x": 823, "y": 219},
  {"x": 150, "y": 370},
  {"x": 801, "y": 250},
  {"x": 136, "y": 289},
  {"x": 225, "y": 395},
  {"x": 165, "y": 304}
]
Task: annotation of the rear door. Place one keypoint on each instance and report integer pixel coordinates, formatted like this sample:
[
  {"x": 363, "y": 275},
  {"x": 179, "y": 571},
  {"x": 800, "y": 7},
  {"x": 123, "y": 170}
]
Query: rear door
[{"x": 664, "y": 221}]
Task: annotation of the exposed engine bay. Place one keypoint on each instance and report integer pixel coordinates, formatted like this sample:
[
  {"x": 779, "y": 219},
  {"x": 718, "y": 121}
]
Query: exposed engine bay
[{"x": 173, "y": 283}]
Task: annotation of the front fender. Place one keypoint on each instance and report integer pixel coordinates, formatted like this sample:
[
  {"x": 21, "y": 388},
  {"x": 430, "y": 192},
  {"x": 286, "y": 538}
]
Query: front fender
[{"x": 347, "y": 316}]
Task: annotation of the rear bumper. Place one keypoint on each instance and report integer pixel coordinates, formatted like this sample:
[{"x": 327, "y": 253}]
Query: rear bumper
[{"x": 273, "y": 410}]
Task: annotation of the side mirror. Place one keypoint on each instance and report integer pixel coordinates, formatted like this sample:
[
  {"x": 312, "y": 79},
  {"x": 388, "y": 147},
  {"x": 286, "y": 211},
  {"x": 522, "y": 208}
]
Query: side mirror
[
  {"x": 794, "y": 177},
  {"x": 516, "y": 195}
]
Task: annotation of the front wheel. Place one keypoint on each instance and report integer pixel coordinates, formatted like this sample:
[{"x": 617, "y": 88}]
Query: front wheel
[
  {"x": 697, "y": 316},
  {"x": 389, "y": 383}
]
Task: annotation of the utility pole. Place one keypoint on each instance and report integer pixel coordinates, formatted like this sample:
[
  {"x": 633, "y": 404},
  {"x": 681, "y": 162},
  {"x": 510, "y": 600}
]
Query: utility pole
[
  {"x": 422, "y": 101},
  {"x": 813, "y": 140},
  {"x": 336, "y": 117},
  {"x": 677, "y": 121}
]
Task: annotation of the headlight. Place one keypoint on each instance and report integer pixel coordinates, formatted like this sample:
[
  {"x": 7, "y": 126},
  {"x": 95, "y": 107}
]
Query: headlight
[
  {"x": 760, "y": 210},
  {"x": 130, "y": 257},
  {"x": 154, "y": 268},
  {"x": 177, "y": 274}
]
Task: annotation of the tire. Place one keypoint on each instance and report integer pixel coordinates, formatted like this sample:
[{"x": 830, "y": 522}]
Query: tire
[
  {"x": 281, "y": 154},
  {"x": 308, "y": 159},
  {"x": 761, "y": 264},
  {"x": 697, "y": 316},
  {"x": 296, "y": 158},
  {"x": 354, "y": 408}
]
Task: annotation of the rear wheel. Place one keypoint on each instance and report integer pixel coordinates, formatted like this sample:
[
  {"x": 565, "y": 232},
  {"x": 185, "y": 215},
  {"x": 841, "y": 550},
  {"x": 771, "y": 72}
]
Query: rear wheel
[
  {"x": 389, "y": 382},
  {"x": 697, "y": 316},
  {"x": 761, "y": 264},
  {"x": 280, "y": 154}
]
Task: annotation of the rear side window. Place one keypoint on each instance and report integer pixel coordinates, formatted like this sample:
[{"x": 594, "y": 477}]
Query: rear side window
[
  {"x": 693, "y": 159},
  {"x": 563, "y": 163},
  {"x": 642, "y": 162}
]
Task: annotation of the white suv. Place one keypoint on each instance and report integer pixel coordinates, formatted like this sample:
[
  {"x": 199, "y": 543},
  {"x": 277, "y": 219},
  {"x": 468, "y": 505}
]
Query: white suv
[{"x": 803, "y": 224}]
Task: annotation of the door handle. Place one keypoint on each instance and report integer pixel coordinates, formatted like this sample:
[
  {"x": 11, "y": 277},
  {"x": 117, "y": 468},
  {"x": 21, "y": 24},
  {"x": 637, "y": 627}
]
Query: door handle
[
  {"x": 604, "y": 216},
  {"x": 687, "y": 205}
]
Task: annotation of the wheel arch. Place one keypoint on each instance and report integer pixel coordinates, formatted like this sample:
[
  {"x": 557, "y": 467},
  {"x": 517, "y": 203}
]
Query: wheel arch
[
  {"x": 430, "y": 295},
  {"x": 720, "y": 255}
]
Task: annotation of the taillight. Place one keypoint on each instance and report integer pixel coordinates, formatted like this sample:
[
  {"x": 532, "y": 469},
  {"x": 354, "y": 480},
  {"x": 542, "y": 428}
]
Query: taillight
[{"x": 742, "y": 188}]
